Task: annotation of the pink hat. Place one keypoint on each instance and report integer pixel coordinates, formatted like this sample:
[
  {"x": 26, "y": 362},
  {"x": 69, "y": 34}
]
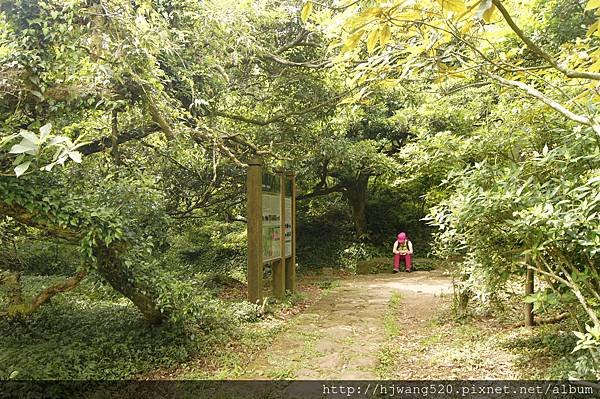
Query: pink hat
[{"x": 402, "y": 237}]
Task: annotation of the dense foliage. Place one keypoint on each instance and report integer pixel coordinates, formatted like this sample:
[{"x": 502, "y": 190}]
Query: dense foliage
[{"x": 126, "y": 127}]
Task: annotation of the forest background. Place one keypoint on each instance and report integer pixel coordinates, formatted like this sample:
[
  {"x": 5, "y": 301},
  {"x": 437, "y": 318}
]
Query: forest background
[{"x": 127, "y": 125}]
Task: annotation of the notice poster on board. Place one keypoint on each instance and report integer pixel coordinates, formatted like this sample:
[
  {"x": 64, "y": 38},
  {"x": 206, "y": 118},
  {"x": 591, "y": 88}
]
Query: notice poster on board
[
  {"x": 288, "y": 227},
  {"x": 271, "y": 218},
  {"x": 271, "y": 227}
]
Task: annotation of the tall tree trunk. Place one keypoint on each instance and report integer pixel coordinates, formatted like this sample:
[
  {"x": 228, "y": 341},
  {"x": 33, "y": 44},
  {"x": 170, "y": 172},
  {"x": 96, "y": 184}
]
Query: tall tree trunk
[{"x": 356, "y": 194}]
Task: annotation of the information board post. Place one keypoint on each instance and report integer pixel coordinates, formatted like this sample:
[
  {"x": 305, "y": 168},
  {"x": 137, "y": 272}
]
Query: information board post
[
  {"x": 290, "y": 269},
  {"x": 254, "y": 218},
  {"x": 279, "y": 264}
]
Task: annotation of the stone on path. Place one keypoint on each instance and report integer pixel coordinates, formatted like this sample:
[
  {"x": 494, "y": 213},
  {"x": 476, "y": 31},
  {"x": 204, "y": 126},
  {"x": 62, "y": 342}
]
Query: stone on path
[{"x": 326, "y": 346}]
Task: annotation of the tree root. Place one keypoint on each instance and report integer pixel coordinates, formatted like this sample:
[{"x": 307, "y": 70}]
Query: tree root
[{"x": 548, "y": 320}]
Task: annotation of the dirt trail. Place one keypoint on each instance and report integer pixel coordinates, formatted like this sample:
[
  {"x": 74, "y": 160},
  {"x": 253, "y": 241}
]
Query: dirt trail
[{"x": 341, "y": 336}]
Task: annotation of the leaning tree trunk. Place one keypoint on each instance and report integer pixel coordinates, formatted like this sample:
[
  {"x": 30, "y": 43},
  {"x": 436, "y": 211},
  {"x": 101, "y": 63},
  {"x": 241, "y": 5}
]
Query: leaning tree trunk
[
  {"x": 356, "y": 194},
  {"x": 116, "y": 274},
  {"x": 109, "y": 266}
]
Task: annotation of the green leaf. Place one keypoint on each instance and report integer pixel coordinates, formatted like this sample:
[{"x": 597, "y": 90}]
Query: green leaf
[
  {"x": 592, "y": 4},
  {"x": 593, "y": 180},
  {"x": 45, "y": 131},
  {"x": 22, "y": 148},
  {"x": 58, "y": 140},
  {"x": 353, "y": 40},
  {"x": 306, "y": 11},
  {"x": 75, "y": 156},
  {"x": 30, "y": 136},
  {"x": 385, "y": 35},
  {"x": 6, "y": 139},
  {"x": 372, "y": 40},
  {"x": 485, "y": 10},
  {"x": 22, "y": 168},
  {"x": 487, "y": 15},
  {"x": 453, "y": 5}
]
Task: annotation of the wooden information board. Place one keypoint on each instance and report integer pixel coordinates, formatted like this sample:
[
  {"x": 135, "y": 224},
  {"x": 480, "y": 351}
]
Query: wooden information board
[{"x": 271, "y": 213}]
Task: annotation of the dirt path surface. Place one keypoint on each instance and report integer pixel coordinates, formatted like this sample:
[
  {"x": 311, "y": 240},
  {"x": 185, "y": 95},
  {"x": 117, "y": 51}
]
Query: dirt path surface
[{"x": 345, "y": 334}]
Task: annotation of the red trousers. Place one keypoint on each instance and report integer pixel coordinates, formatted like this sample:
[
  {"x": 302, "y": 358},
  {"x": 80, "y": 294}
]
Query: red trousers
[{"x": 406, "y": 258}]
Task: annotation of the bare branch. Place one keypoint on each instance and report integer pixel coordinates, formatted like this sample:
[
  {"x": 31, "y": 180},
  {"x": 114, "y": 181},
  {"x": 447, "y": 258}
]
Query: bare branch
[
  {"x": 298, "y": 40},
  {"x": 338, "y": 188},
  {"x": 339, "y": 8},
  {"x": 18, "y": 306},
  {"x": 64, "y": 286},
  {"x": 24, "y": 216},
  {"x": 159, "y": 120},
  {"x": 464, "y": 87}
]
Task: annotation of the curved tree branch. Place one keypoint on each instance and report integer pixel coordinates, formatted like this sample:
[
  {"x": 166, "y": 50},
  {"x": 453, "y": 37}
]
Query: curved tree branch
[
  {"x": 278, "y": 118},
  {"x": 109, "y": 265},
  {"x": 338, "y": 188},
  {"x": 584, "y": 120},
  {"x": 538, "y": 50},
  {"x": 160, "y": 120},
  {"x": 106, "y": 142},
  {"x": 283, "y": 61},
  {"x": 17, "y": 306}
]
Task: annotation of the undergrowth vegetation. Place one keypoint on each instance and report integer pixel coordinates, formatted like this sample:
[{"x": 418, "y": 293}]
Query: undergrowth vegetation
[{"x": 93, "y": 334}]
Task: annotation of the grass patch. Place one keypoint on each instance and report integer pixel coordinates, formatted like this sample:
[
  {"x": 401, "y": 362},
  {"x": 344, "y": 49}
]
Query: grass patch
[
  {"x": 230, "y": 360},
  {"x": 387, "y": 356},
  {"x": 233, "y": 359},
  {"x": 487, "y": 348},
  {"x": 546, "y": 353},
  {"x": 328, "y": 284},
  {"x": 284, "y": 373},
  {"x": 430, "y": 340},
  {"x": 390, "y": 320}
]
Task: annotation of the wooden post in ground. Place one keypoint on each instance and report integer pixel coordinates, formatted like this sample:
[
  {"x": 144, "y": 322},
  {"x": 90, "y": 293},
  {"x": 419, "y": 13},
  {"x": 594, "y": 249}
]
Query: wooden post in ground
[
  {"x": 278, "y": 268},
  {"x": 529, "y": 321},
  {"x": 254, "y": 214},
  {"x": 290, "y": 270}
]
